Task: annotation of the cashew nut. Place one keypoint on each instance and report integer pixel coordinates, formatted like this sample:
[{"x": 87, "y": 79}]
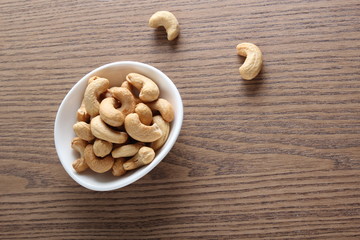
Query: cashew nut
[
  {"x": 128, "y": 86},
  {"x": 164, "y": 107},
  {"x": 128, "y": 150},
  {"x": 145, "y": 156},
  {"x": 149, "y": 91},
  {"x": 253, "y": 62},
  {"x": 109, "y": 112},
  {"x": 168, "y": 21},
  {"x": 93, "y": 78},
  {"x": 165, "y": 128},
  {"x": 139, "y": 131},
  {"x": 126, "y": 99},
  {"x": 92, "y": 92},
  {"x": 81, "y": 114},
  {"x": 100, "y": 130},
  {"x": 79, "y": 145},
  {"x": 144, "y": 112},
  {"x": 102, "y": 148},
  {"x": 99, "y": 165},
  {"x": 118, "y": 168},
  {"x": 83, "y": 131}
]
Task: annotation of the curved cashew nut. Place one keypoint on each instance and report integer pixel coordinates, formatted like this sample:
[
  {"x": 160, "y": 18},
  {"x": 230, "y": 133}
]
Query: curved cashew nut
[
  {"x": 83, "y": 131},
  {"x": 144, "y": 112},
  {"x": 149, "y": 91},
  {"x": 100, "y": 130},
  {"x": 128, "y": 86},
  {"x": 145, "y": 156},
  {"x": 164, "y": 107},
  {"x": 128, "y": 150},
  {"x": 79, "y": 145},
  {"x": 108, "y": 92},
  {"x": 139, "y": 131},
  {"x": 102, "y": 148},
  {"x": 253, "y": 62},
  {"x": 81, "y": 114},
  {"x": 92, "y": 92},
  {"x": 109, "y": 112},
  {"x": 99, "y": 165},
  {"x": 165, "y": 128},
  {"x": 93, "y": 78},
  {"x": 168, "y": 20},
  {"x": 118, "y": 168},
  {"x": 126, "y": 99}
]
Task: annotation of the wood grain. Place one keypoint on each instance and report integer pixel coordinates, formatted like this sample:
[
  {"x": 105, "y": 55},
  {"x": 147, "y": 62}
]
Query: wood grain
[{"x": 273, "y": 158}]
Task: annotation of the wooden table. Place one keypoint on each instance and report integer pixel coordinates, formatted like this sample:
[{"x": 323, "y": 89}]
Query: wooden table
[{"x": 273, "y": 158}]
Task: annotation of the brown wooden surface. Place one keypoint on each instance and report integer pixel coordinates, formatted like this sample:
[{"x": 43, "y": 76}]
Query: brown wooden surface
[{"x": 273, "y": 158}]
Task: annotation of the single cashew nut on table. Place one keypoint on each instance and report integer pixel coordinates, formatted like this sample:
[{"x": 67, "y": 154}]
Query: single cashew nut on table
[
  {"x": 165, "y": 128},
  {"x": 92, "y": 93},
  {"x": 139, "y": 131},
  {"x": 127, "y": 150},
  {"x": 100, "y": 130},
  {"x": 149, "y": 91},
  {"x": 164, "y": 107},
  {"x": 109, "y": 112},
  {"x": 144, "y": 112},
  {"x": 83, "y": 131},
  {"x": 79, "y": 145},
  {"x": 253, "y": 62},
  {"x": 126, "y": 99},
  {"x": 118, "y": 168},
  {"x": 99, "y": 165},
  {"x": 102, "y": 148},
  {"x": 168, "y": 21},
  {"x": 145, "y": 156}
]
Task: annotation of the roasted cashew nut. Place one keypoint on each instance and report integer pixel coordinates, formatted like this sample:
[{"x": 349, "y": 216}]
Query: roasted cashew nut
[
  {"x": 144, "y": 112},
  {"x": 145, "y": 156},
  {"x": 109, "y": 112},
  {"x": 168, "y": 21},
  {"x": 165, "y": 128},
  {"x": 99, "y": 165},
  {"x": 100, "y": 130},
  {"x": 140, "y": 131},
  {"x": 126, "y": 99},
  {"x": 118, "y": 168},
  {"x": 253, "y": 62},
  {"x": 92, "y": 93},
  {"x": 128, "y": 86},
  {"x": 108, "y": 92},
  {"x": 127, "y": 150},
  {"x": 93, "y": 78},
  {"x": 149, "y": 91},
  {"x": 79, "y": 145},
  {"x": 81, "y": 114},
  {"x": 83, "y": 131},
  {"x": 102, "y": 148},
  {"x": 164, "y": 107}
]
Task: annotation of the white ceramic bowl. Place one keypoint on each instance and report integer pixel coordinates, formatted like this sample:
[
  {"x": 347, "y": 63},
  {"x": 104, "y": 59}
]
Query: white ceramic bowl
[{"x": 66, "y": 117}]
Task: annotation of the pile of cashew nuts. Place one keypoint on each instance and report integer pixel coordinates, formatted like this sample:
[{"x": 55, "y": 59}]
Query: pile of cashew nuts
[{"x": 120, "y": 128}]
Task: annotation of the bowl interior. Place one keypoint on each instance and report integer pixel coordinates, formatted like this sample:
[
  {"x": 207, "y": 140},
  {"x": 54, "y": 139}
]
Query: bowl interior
[{"x": 66, "y": 117}]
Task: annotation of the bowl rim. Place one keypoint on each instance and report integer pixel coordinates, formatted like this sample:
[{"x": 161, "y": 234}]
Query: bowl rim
[{"x": 158, "y": 158}]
